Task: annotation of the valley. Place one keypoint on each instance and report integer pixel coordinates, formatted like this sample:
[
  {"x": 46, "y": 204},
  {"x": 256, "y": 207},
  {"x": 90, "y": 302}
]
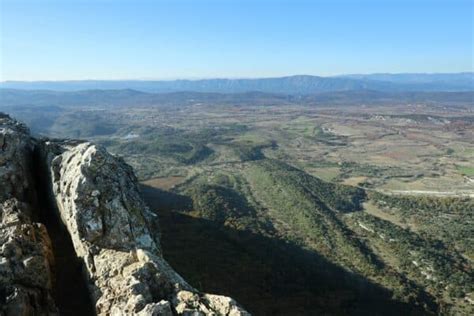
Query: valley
[{"x": 301, "y": 208}]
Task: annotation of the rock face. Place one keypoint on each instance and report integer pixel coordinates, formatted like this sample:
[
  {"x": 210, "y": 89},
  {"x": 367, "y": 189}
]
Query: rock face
[
  {"x": 25, "y": 248},
  {"x": 112, "y": 230}
]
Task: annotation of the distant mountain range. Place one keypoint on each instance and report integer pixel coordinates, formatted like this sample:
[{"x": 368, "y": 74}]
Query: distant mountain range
[{"x": 295, "y": 85}]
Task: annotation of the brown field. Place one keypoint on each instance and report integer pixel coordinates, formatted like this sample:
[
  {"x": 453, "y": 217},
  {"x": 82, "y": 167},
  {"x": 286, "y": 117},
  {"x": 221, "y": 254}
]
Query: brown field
[{"x": 164, "y": 183}]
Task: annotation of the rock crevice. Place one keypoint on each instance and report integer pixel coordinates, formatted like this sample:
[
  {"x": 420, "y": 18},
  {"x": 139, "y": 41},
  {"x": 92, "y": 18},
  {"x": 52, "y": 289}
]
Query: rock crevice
[
  {"x": 113, "y": 235},
  {"x": 70, "y": 288}
]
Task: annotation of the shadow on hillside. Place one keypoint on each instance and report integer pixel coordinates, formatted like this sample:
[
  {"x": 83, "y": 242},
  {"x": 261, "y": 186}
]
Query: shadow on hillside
[{"x": 268, "y": 276}]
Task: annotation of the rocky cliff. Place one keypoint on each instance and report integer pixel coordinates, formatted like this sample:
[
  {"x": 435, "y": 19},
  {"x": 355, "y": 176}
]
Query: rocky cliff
[{"x": 55, "y": 191}]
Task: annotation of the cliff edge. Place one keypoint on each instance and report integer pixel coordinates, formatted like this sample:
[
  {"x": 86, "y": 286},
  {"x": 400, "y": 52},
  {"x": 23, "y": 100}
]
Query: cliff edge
[{"x": 94, "y": 199}]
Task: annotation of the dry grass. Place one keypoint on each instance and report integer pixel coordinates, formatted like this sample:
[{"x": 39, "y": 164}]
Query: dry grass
[
  {"x": 372, "y": 209},
  {"x": 164, "y": 183}
]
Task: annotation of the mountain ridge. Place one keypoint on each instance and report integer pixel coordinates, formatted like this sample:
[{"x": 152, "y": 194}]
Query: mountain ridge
[{"x": 297, "y": 84}]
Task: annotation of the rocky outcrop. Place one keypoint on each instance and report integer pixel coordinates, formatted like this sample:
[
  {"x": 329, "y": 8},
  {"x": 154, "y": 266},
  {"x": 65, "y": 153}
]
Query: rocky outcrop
[
  {"x": 113, "y": 232},
  {"x": 25, "y": 248}
]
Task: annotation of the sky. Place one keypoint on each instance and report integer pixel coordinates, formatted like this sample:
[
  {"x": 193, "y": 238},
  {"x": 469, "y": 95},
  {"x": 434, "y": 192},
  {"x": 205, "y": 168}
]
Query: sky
[{"x": 139, "y": 39}]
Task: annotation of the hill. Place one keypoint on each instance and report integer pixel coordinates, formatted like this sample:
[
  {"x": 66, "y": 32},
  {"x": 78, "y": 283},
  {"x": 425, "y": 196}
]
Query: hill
[
  {"x": 24, "y": 99},
  {"x": 300, "y": 84}
]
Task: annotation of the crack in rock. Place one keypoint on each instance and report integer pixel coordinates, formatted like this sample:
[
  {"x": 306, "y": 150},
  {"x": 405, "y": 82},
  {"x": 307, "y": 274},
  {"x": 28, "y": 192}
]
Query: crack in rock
[{"x": 94, "y": 198}]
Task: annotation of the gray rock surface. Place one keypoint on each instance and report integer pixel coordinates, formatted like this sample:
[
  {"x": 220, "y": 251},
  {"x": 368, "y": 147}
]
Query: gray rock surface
[
  {"x": 117, "y": 237},
  {"x": 25, "y": 248},
  {"x": 97, "y": 199}
]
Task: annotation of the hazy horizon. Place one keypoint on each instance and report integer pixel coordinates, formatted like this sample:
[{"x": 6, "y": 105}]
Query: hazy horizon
[
  {"x": 243, "y": 78},
  {"x": 168, "y": 40}
]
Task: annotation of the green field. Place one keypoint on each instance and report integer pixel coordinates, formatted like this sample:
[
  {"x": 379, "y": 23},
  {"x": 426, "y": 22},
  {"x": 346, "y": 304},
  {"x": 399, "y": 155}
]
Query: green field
[{"x": 468, "y": 171}]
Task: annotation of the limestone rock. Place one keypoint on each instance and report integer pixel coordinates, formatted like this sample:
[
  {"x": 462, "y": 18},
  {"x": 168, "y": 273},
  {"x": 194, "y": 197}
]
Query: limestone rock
[
  {"x": 25, "y": 248},
  {"x": 117, "y": 236}
]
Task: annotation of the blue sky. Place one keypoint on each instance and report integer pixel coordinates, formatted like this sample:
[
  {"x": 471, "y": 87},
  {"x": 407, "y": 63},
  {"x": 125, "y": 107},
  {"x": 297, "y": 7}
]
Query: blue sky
[{"x": 105, "y": 39}]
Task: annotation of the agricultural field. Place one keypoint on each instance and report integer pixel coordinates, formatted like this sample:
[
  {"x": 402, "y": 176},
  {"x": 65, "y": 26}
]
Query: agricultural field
[{"x": 408, "y": 150}]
